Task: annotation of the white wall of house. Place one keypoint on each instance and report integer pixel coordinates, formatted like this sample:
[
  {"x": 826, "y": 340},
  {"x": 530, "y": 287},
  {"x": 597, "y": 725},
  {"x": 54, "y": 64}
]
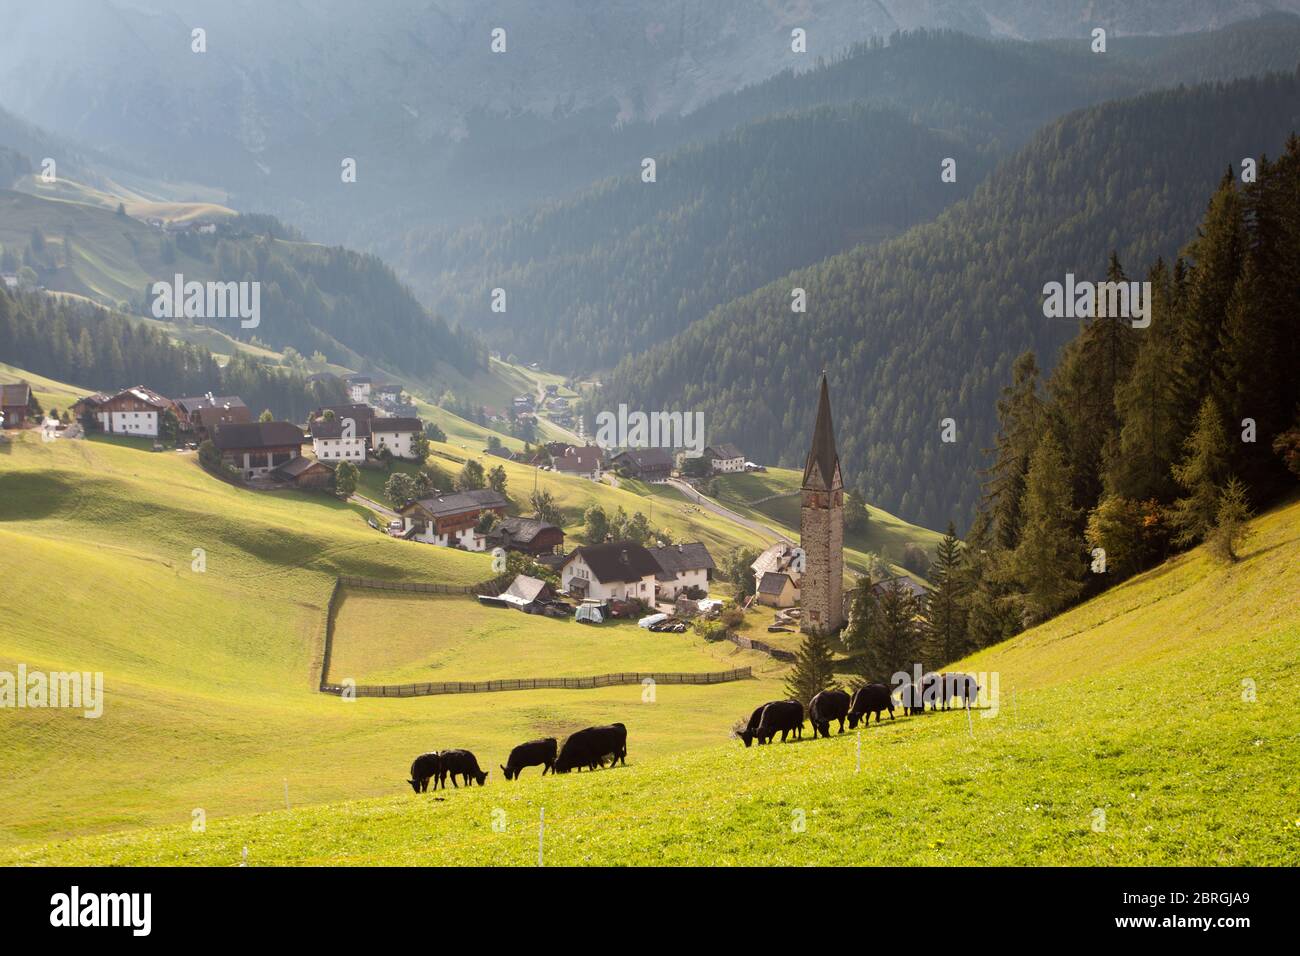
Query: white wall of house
[
  {"x": 359, "y": 393},
  {"x": 728, "y": 466},
  {"x": 401, "y": 444},
  {"x": 130, "y": 423},
  {"x": 615, "y": 591},
  {"x": 469, "y": 539},
  {"x": 691, "y": 578},
  {"x": 339, "y": 449}
]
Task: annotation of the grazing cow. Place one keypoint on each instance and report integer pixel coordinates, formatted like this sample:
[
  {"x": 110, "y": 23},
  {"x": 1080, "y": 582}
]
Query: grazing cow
[
  {"x": 827, "y": 706},
  {"x": 425, "y": 768},
  {"x": 785, "y": 716},
  {"x": 870, "y": 699},
  {"x": 751, "y": 728},
  {"x": 531, "y": 754},
  {"x": 912, "y": 698},
  {"x": 590, "y": 746},
  {"x": 959, "y": 685},
  {"x": 460, "y": 763}
]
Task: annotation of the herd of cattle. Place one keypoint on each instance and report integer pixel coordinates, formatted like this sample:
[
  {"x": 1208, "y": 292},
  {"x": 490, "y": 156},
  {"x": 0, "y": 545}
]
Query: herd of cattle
[
  {"x": 786, "y": 717},
  {"x": 590, "y": 747},
  {"x": 594, "y": 746}
]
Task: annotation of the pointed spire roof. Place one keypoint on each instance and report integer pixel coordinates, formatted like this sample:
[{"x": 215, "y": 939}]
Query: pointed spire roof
[{"x": 822, "y": 471}]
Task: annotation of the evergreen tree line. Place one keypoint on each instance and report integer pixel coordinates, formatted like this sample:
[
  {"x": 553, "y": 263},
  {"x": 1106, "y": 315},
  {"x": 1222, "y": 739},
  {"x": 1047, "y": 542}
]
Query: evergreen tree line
[
  {"x": 927, "y": 326},
  {"x": 86, "y": 345},
  {"x": 1142, "y": 442}
]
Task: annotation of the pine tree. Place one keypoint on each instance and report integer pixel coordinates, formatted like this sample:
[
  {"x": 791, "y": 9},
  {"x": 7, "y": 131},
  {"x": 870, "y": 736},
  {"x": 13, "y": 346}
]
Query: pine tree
[
  {"x": 1201, "y": 474},
  {"x": 1048, "y": 563},
  {"x": 1020, "y": 418},
  {"x": 814, "y": 669},
  {"x": 945, "y": 614},
  {"x": 1231, "y": 523},
  {"x": 888, "y": 634}
]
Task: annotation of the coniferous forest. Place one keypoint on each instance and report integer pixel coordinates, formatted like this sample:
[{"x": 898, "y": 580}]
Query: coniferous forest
[{"x": 1141, "y": 442}]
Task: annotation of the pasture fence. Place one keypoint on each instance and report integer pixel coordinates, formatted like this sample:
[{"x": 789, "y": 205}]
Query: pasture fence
[
  {"x": 431, "y": 688},
  {"x": 751, "y": 644}
]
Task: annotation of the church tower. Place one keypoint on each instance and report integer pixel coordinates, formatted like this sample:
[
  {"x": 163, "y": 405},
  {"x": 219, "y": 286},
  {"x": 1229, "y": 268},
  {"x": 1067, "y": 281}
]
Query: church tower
[{"x": 821, "y": 528}]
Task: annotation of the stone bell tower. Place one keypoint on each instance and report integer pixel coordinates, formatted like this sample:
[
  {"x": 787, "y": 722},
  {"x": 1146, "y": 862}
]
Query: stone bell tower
[{"x": 821, "y": 528}]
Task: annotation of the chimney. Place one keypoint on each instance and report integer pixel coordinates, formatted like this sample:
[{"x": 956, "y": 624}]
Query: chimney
[{"x": 623, "y": 557}]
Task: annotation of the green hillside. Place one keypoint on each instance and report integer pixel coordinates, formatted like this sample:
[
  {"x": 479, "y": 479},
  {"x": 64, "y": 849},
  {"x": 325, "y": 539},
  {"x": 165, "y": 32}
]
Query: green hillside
[
  {"x": 1123, "y": 734},
  {"x": 209, "y": 677}
]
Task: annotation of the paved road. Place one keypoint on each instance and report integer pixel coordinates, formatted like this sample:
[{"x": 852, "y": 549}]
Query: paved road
[
  {"x": 375, "y": 505},
  {"x": 708, "y": 504}
]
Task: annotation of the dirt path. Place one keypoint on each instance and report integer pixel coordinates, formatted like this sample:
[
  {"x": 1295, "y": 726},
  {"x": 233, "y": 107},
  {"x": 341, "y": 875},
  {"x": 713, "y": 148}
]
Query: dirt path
[{"x": 708, "y": 504}]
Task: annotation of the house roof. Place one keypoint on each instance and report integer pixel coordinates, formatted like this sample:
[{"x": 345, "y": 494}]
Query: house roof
[
  {"x": 773, "y": 582},
  {"x": 17, "y": 394},
  {"x": 292, "y": 469},
  {"x": 142, "y": 393},
  {"x": 521, "y": 530},
  {"x": 358, "y": 380},
  {"x": 724, "y": 451},
  {"x": 382, "y": 424},
  {"x": 320, "y": 428},
  {"x": 478, "y": 499},
  {"x": 99, "y": 398},
  {"x": 822, "y": 469},
  {"x": 215, "y": 415},
  {"x": 194, "y": 403},
  {"x": 648, "y": 457},
  {"x": 523, "y": 590},
  {"x": 916, "y": 589},
  {"x": 688, "y": 556},
  {"x": 357, "y": 412},
  {"x": 257, "y": 435},
  {"x": 776, "y": 558},
  {"x": 617, "y": 561}
]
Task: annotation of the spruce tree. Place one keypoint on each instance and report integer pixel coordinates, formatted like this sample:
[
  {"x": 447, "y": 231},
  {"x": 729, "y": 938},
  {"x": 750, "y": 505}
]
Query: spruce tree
[
  {"x": 945, "y": 616},
  {"x": 893, "y": 639},
  {"x": 1020, "y": 419},
  {"x": 1201, "y": 475},
  {"x": 1048, "y": 563},
  {"x": 814, "y": 669}
]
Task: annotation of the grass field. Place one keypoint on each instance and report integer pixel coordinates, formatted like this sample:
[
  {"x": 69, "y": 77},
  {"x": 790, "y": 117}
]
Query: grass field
[
  {"x": 209, "y": 677},
  {"x": 383, "y": 638},
  {"x": 1122, "y": 734},
  {"x": 886, "y": 534}
]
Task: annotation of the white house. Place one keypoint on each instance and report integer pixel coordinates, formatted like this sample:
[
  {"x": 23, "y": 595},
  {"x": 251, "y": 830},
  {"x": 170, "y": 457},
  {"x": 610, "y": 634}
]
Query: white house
[
  {"x": 340, "y": 439},
  {"x": 133, "y": 411},
  {"x": 683, "y": 566},
  {"x": 395, "y": 434},
  {"x": 617, "y": 571},
  {"x": 359, "y": 389},
  {"x": 725, "y": 459},
  {"x": 583, "y": 461},
  {"x": 451, "y": 520}
]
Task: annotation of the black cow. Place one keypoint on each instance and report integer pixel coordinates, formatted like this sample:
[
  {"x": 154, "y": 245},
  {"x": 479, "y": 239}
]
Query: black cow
[
  {"x": 785, "y": 716},
  {"x": 531, "y": 754},
  {"x": 916, "y": 692},
  {"x": 425, "y": 768},
  {"x": 590, "y": 746},
  {"x": 751, "y": 728},
  {"x": 870, "y": 699},
  {"x": 959, "y": 685},
  {"x": 827, "y": 706},
  {"x": 460, "y": 763}
]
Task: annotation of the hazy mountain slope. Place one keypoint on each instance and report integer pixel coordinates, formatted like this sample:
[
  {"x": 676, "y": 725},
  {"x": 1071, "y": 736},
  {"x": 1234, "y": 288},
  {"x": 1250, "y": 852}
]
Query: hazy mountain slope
[
  {"x": 314, "y": 298},
  {"x": 627, "y": 263},
  {"x": 926, "y": 326},
  {"x": 412, "y": 92}
]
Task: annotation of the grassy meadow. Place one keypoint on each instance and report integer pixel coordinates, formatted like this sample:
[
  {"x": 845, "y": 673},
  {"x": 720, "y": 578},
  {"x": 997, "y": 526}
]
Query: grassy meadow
[
  {"x": 1121, "y": 733},
  {"x": 209, "y": 676}
]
